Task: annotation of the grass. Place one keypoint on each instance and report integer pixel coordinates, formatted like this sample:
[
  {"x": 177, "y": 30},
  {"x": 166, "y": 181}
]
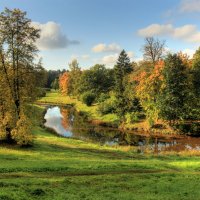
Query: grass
[
  {"x": 61, "y": 168},
  {"x": 56, "y": 98}
]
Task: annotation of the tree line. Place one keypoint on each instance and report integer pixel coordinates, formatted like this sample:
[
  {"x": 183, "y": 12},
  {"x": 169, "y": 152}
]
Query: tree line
[{"x": 162, "y": 88}]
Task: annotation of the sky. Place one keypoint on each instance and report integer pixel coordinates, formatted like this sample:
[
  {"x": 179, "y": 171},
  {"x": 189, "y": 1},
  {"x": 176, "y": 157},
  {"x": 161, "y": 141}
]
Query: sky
[{"x": 95, "y": 31}]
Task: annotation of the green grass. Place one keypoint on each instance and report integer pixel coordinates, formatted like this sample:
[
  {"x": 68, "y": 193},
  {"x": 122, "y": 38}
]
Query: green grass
[
  {"x": 56, "y": 98},
  {"x": 61, "y": 168}
]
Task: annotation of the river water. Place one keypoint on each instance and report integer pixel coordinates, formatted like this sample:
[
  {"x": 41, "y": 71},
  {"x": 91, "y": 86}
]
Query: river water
[{"x": 66, "y": 122}]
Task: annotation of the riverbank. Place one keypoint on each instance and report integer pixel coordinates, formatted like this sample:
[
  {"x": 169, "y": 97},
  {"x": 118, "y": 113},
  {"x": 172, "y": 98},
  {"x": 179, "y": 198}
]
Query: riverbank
[
  {"x": 108, "y": 120},
  {"x": 63, "y": 168}
]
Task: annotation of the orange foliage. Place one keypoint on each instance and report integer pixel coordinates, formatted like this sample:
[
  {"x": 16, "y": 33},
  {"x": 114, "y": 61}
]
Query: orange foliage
[
  {"x": 65, "y": 120},
  {"x": 64, "y": 82},
  {"x": 148, "y": 87}
]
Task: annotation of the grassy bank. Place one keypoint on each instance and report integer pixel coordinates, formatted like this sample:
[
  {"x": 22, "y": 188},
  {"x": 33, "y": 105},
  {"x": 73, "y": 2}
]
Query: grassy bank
[
  {"x": 61, "y": 168},
  {"x": 91, "y": 111},
  {"x": 56, "y": 98}
]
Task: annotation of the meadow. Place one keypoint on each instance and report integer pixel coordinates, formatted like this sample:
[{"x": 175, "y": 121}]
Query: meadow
[{"x": 64, "y": 168}]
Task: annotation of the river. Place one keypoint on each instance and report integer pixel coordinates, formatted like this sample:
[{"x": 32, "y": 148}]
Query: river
[{"x": 66, "y": 122}]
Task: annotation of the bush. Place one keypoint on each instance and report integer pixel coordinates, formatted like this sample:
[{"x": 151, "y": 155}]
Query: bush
[
  {"x": 41, "y": 92},
  {"x": 103, "y": 97},
  {"x": 133, "y": 117},
  {"x": 88, "y": 98},
  {"x": 108, "y": 106}
]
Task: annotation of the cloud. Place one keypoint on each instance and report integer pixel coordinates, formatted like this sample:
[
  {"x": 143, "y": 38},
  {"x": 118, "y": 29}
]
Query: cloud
[
  {"x": 112, "y": 58},
  {"x": 189, "y": 52},
  {"x": 106, "y": 48},
  {"x": 80, "y": 57},
  {"x": 130, "y": 54},
  {"x": 188, "y": 6},
  {"x": 51, "y": 36},
  {"x": 188, "y": 32},
  {"x": 156, "y": 29}
]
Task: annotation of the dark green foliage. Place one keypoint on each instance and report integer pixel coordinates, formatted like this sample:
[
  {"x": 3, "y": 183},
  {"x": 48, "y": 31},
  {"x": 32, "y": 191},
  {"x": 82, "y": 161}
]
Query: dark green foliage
[
  {"x": 121, "y": 71},
  {"x": 55, "y": 84},
  {"x": 108, "y": 106},
  {"x": 41, "y": 92},
  {"x": 103, "y": 97},
  {"x": 196, "y": 72},
  {"x": 88, "y": 98},
  {"x": 52, "y": 75},
  {"x": 175, "y": 95},
  {"x": 98, "y": 79}
]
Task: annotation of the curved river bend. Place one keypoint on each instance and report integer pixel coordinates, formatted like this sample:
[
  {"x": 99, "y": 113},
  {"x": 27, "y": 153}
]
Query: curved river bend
[{"x": 66, "y": 122}]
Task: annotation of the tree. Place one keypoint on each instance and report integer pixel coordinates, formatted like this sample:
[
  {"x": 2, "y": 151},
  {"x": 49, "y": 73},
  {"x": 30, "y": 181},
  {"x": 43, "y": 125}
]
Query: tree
[
  {"x": 121, "y": 71},
  {"x": 196, "y": 72},
  {"x": 97, "y": 79},
  {"x": 176, "y": 92},
  {"x": 64, "y": 83},
  {"x": 148, "y": 87},
  {"x": 75, "y": 75},
  {"x": 55, "y": 84},
  {"x": 153, "y": 49},
  {"x": 17, "y": 89}
]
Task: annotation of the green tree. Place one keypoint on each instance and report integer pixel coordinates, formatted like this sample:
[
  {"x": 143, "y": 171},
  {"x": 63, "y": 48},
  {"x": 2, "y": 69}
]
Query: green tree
[
  {"x": 75, "y": 74},
  {"x": 55, "y": 84},
  {"x": 196, "y": 72},
  {"x": 97, "y": 79},
  {"x": 175, "y": 96},
  {"x": 121, "y": 71}
]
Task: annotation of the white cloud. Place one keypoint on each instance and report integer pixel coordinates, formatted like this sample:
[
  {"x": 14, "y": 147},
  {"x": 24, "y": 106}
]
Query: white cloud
[
  {"x": 188, "y": 32},
  {"x": 51, "y": 36},
  {"x": 130, "y": 54},
  {"x": 110, "y": 59},
  {"x": 80, "y": 57},
  {"x": 184, "y": 31},
  {"x": 189, "y": 52},
  {"x": 188, "y": 6},
  {"x": 156, "y": 29},
  {"x": 106, "y": 48}
]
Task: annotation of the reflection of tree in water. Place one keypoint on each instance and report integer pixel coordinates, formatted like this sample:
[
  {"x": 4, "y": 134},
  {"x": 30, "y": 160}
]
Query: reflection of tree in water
[
  {"x": 66, "y": 118},
  {"x": 80, "y": 128}
]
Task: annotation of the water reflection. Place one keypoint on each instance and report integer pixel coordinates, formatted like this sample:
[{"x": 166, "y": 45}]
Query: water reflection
[{"x": 69, "y": 123}]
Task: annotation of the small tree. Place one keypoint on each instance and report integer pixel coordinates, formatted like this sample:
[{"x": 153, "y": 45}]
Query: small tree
[{"x": 153, "y": 49}]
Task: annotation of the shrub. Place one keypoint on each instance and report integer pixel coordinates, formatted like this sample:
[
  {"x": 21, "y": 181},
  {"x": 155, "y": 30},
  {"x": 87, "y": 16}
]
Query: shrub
[
  {"x": 133, "y": 117},
  {"x": 108, "y": 106},
  {"x": 41, "y": 92},
  {"x": 103, "y": 97},
  {"x": 88, "y": 98}
]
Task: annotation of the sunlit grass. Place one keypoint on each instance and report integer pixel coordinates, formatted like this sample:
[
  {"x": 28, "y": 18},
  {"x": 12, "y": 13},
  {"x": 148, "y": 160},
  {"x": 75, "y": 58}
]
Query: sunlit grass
[
  {"x": 55, "y": 97},
  {"x": 64, "y": 168}
]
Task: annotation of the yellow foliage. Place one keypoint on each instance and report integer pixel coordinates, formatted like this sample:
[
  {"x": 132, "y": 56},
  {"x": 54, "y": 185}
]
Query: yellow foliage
[{"x": 22, "y": 133}]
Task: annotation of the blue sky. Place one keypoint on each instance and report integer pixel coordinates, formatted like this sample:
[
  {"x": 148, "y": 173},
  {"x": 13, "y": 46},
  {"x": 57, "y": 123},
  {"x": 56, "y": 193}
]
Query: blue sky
[{"x": 95, "y": 31}]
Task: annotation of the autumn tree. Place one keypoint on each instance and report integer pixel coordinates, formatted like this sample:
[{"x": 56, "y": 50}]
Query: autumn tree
[
  {"x": 153, "y": 49},
  {"x": 64, "y": 83},
  {"x": 148, "y": 87},
  {"x": 17, "y": 89}
]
